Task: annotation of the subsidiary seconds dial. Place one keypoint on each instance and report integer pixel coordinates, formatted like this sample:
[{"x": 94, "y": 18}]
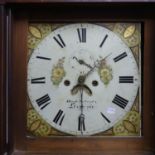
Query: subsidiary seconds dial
[{"x": 82, "y": 79}]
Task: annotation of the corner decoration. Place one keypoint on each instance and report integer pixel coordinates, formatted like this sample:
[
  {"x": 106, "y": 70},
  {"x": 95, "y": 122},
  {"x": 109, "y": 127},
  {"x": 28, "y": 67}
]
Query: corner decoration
[{"x": 128, "y": 125}]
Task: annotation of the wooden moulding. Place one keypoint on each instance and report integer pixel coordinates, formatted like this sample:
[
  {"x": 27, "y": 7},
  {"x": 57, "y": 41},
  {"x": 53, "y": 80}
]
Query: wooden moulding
[
  {"x": 18, "y": 143},
  {"x": 2, "y": 82}
]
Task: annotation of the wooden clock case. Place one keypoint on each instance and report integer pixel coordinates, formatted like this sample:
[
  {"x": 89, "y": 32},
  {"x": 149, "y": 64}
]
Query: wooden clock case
[{"x": 14, "y": 17}]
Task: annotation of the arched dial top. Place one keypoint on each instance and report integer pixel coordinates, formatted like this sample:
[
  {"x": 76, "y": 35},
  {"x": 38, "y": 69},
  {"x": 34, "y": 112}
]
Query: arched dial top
[{"x": 82, "y": 79}]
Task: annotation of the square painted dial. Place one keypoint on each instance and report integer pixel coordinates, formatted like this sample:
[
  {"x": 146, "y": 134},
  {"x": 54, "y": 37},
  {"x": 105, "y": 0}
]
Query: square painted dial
[{"x": 83, "y": 78}]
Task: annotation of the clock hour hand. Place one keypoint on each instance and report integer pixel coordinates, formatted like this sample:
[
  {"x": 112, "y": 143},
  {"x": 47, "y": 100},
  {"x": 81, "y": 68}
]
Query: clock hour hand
[
  {"x": 82, "y": 62},
  {"x": 82, "y": 78}
]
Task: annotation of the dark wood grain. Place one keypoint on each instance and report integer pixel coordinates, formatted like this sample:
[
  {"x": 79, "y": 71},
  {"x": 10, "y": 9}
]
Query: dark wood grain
[
  {"x": 22, "y": 14},
  {"x": 148, "y": 83},
  {"x": 17, "y": 91},
  {"x": 84, "y": 12},
  {"x": 2, "y": 83}
]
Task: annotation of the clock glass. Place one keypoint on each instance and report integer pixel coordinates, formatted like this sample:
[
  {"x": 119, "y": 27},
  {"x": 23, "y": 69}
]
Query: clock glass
[{"x": 84, "y": 79}]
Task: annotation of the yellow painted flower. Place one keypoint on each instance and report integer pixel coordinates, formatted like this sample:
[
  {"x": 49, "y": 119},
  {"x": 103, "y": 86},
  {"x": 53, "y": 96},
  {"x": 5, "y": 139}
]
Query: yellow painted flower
[
  {"x": 57, "y": 75},
  {"x": 105, "y": 80},
  {"x": 58, "y": 72},
  {"x": 105, "y": 74},
  {"x": 56, "y": 80}
]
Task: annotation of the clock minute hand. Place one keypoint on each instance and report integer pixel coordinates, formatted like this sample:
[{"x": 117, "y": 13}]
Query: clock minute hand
[
  {"x": 90, "y": 71},
  {"x": 82, "y": 78},
  {"x": 96, "y": 66},
  {"x": 103, "y": 60},
  {"x": 106, "y": 56},
  {"x": 91, "y": 68}
]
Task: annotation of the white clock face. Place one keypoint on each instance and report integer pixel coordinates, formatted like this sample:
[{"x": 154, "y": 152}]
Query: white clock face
[{"x": 82, "y": 79}]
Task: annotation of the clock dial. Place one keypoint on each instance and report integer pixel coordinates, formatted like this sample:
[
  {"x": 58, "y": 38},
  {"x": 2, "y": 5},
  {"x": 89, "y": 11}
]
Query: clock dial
[{"x": 82, "y": 79}]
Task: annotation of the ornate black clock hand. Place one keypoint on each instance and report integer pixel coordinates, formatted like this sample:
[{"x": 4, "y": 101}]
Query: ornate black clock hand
[
  {"x": 106, "y": 56},
  {"x": 90, "y": 71},
  {"x": 82, "y": 62},
  {"x": 95, "y": 66},
  {"x": 82, "y": 78},
  {"x": 103, "y": 60},
  {"x": 81, "y": 123}
]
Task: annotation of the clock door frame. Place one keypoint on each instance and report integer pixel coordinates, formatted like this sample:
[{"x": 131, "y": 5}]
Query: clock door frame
[
  {"x": 18, "y": 18},
  {"x": 3, "y": 141}
]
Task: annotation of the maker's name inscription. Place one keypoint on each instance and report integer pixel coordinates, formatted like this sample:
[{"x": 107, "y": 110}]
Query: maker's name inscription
[{"x": 76, "y": 104}]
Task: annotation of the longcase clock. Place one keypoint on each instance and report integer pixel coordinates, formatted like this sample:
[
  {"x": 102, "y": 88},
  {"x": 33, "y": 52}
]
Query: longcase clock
[{"x": 79, "y": 78}]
